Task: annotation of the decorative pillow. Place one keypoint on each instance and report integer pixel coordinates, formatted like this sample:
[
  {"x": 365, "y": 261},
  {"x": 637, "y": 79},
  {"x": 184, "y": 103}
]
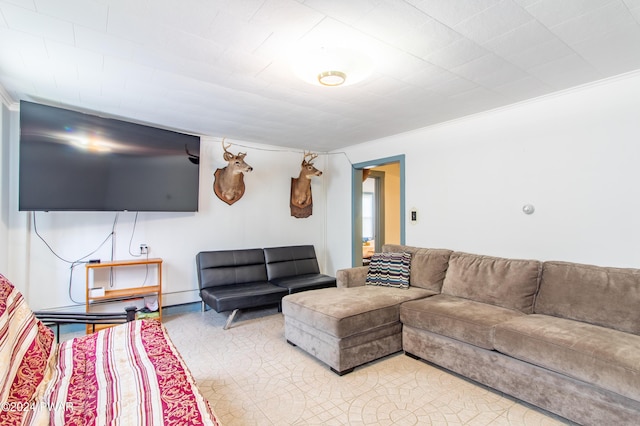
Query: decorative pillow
[{"x": 389, "y": 270}]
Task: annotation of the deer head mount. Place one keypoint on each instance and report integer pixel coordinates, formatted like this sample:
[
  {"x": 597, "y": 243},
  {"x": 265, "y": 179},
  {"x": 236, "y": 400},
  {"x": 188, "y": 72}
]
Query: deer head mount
[
  {"x": 301, "y": 200},
  {"x": 228, "y": 184}
]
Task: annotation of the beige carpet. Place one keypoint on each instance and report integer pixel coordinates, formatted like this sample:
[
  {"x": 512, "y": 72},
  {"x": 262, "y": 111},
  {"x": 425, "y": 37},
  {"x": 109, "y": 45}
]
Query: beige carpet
[{"x": 251, "y": 376}]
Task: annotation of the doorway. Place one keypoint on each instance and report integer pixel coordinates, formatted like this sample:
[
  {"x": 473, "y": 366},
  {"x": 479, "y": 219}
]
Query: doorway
[
  {"x": 378, "y": 206},
  {"x": 373, "y": 209}
]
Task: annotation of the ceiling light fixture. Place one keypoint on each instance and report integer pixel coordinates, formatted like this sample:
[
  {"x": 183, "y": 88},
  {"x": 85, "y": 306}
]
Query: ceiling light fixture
[
  {"x": 330, "y": 66},
  {"x": 332, "y": 78}
]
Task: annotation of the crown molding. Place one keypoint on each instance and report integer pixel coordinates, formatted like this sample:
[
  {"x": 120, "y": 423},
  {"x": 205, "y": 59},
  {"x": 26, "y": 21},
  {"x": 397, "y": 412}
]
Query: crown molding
[{"x": 5, "y": 98}]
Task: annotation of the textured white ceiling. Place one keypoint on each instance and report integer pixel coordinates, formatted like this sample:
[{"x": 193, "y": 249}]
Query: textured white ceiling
[{"x": 223, "y": 67}]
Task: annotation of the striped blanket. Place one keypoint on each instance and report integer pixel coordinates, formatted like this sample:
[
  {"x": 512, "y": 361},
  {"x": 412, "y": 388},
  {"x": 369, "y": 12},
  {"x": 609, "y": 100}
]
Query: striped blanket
[{"x": 130, "y": 374}]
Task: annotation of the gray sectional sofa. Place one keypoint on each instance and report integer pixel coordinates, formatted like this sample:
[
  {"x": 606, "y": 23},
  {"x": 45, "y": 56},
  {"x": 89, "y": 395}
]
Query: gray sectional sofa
[{"x": 562, "y": 336}]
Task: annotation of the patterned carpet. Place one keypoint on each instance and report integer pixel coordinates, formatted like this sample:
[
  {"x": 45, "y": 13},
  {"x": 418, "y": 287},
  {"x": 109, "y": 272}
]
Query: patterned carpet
[{"x": 251, "y": 376}]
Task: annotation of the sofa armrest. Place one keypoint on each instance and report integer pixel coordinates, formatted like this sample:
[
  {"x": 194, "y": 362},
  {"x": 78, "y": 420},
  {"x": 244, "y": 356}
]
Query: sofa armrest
[{"x": 351, "y": 277}]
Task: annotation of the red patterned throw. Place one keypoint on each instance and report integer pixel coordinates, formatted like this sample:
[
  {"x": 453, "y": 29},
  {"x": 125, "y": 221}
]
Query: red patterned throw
[{"x": 130, "y": 374}]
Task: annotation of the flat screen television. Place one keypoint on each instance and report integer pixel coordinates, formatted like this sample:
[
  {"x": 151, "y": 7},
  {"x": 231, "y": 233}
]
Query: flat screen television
[{"x": 73, "y": 161}]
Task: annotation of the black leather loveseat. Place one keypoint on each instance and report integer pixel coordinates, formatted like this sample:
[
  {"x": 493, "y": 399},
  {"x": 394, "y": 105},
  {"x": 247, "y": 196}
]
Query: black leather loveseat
[{"x": 230, "y": 280}]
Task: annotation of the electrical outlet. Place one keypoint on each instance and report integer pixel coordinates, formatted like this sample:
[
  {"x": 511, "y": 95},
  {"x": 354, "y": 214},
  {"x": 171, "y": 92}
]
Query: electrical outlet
[{"x": 144, "y": 249}]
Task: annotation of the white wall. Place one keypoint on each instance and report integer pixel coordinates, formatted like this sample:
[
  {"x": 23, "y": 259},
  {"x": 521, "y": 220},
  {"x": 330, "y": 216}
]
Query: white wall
[
  {"x": 574, "y": 156},
  {"x": 260, "y": 219}
]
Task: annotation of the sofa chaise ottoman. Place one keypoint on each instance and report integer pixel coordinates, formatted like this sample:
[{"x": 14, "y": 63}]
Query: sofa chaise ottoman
[{"x": 354, "y": 323}]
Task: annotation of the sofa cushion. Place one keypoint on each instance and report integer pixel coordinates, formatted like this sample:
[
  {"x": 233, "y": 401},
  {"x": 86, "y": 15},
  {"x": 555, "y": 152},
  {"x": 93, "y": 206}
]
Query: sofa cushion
[
  {"x": 428, "y": 266},
  {"x": 389, "y": 270},
  {"x": 342, "y": 312},
  {"x": 290, "y": 261},
  {"x": 609, "y": 297},
  {"x": 510, "y": 283},
  {"x": 242, "y": 296},
  {"x": 304, "y": 282},
  {"x": 461, "y": 319},
  {"x": 228, "y": 267},
  {"x": 26, "y": 346},
  {"x": 607, "y": 358}
]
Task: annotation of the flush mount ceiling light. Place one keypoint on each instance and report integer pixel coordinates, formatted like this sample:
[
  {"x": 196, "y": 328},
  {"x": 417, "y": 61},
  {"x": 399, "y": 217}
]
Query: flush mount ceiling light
[
  {"x": 331, "y": 66},
  {"x": 332, "y": 78}
]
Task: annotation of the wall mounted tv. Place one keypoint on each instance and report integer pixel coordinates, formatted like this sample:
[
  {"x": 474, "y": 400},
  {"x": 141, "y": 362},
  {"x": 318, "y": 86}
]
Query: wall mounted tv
[{"x": 72, "y": 161}]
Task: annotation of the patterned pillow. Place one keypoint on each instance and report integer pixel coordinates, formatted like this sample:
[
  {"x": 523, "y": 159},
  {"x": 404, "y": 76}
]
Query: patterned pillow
[{"x": 389, "y": 270}]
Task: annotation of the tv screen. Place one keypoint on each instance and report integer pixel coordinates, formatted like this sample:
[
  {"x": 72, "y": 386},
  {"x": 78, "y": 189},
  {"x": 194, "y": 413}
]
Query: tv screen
[{"x": 74, "y": 161}]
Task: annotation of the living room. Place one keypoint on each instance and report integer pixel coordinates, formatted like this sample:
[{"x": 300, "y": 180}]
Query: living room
[{"x": 570, "y": 154}]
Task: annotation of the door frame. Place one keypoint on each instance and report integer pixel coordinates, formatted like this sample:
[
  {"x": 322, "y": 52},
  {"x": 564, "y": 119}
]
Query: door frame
[
  {"x": 356, "y": 203},
  {"x": 378, "y": 208}
]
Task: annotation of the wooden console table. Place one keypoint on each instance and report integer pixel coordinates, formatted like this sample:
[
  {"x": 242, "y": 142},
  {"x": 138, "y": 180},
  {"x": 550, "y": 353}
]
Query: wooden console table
[{"x": 123, "y": 294}]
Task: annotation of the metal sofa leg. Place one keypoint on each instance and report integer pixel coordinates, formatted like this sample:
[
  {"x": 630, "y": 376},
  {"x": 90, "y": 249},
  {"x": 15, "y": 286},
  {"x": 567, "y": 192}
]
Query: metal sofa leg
[{"x": 230, "y": 319}]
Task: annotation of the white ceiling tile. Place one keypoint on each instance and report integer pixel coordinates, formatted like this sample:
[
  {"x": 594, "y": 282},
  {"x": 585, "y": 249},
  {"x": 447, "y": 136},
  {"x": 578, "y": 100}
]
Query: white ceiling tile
[
  {"x": 88, "y": 91},
  {"x": 231, "y": 32},
  {"x": 450, "y": 12},
  {"x": 222, "y": 67},
  {"x": 615, "y": 53},
  {"x": 242, "y": 10},
  {"x": 419, "y": 72},
  {"x": 43, "y": 84},
  {"x": 134, "y": 28},
  {"x": 427, "y": 37},
  {"x": 566, "y": 72},
  {"x": 525, "y": 3},
  {"x": 193, "y": 47},
  {"x": 330, "y": 32},
  {"x": 118, "y": 71},
  {"x": 540, "y": 54},
  {"x": 594, "y": 24},
  {"x": 27, "y": 21},
  {"x": 391, "y": 21},
  {"x": 632, "y": 4},
  {"x": 12, "y": 63},
  {"x": 457, "y": 53},
  {"x": 63, "y": 53},
  {"x": 27, "y": 4},
  {"x": 452, "y": 86},
  {"x": 553, "y": 12},
  {"x": 490, "y": 71},
  {"x": 479, "y": 99},
  {"x": 192, "y": 16},
  {"x": 527, "y": 88},
  {"x": 522, "y": 38},
  {"x": 22, "y": 43},
  {"x": 86, "y": 13},
  {"x": 103, "y": 43},
  {"x": 493, "y": 22},
  {"x": 287, "y": 13},
  {"x": 348, "y": 11}
]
